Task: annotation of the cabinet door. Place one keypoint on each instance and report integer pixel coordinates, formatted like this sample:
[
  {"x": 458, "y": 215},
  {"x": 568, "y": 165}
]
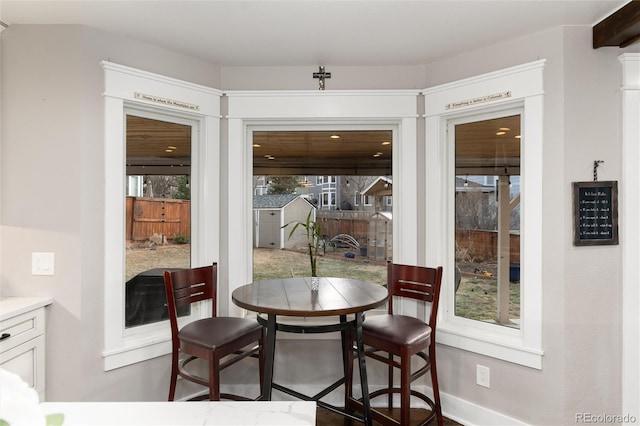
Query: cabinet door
[{"x": 27, "y": 361}]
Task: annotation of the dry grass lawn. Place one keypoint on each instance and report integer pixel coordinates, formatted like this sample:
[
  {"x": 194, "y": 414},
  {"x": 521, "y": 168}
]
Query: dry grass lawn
[
  {"x": 268, "y": 263},
  {"x": 476, "y": 297},
  {"x": 167, "y": 256},
  {"x": 275, "y": 263}
]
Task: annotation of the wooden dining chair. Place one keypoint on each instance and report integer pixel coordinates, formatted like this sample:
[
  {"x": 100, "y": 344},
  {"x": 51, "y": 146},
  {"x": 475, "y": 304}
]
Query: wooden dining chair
[
  {"x": 395, "y": 339},
  {"x": 221, "y": 341}
]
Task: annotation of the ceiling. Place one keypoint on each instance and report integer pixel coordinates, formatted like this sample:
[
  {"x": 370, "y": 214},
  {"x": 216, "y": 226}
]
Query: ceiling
[
  {"x": 489, "y": 147},
  {"x": 157, "y": 147},
  {"x": 314, "y": 32},
  {"x": 339, "y": 153}
]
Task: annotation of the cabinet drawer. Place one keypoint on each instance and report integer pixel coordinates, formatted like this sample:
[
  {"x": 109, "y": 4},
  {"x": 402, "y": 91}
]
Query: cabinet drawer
[{"x": 21, "y": 328}]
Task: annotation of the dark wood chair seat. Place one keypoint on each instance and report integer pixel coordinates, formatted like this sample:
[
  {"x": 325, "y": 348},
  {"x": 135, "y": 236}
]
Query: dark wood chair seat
[
  {"x": 221, "y": 341},
  {"x": 220, "y": 333},
  {"x": 396, "y": 339},
  {"x": 382, "y": 332}
]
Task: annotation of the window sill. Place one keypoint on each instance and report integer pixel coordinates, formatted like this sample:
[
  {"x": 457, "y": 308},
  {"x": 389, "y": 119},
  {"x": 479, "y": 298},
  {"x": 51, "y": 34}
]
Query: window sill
[
  {"x": 136, "y": 351},
  {"x": 494, "y": 345}
]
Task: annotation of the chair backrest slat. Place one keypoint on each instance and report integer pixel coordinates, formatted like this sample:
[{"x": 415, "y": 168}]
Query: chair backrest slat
[
  {"x": 420, "y": 291},
  {"x": 415, "y": 282}
]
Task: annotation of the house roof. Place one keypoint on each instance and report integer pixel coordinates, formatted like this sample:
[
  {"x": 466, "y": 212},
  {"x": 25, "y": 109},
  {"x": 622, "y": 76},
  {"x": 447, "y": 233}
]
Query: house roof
[
  {"x": 384, "y": 215},
  {"x": 381, "y": 186},
  {"x": 274, "y": 201}
]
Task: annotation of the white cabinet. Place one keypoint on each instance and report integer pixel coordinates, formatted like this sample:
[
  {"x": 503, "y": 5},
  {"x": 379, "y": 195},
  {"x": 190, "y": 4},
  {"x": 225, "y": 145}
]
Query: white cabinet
[{"x": 22, "y": 339}]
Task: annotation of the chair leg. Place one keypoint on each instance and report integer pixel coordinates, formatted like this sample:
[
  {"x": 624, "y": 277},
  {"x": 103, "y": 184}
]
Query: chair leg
[
  {"x": 261, "y": 363},
  {"x": 434, "y": 383},
  {"x": 390, "y": 382},
  {"x": 347, "y": 358},
  {"x": 174, "y": 375},
  {"x": 214, "y": 379},
  {"x": 405, "y": 388}
]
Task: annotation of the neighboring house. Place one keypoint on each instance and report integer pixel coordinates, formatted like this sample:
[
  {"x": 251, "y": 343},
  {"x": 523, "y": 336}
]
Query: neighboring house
[
  {"x": 321, "y": 191},
  {"x": 470, "y": 184},
  {"x": 346, "y": 192},
  {"x": 271, "y": 212},
  {"x": 378, "y": 194}
]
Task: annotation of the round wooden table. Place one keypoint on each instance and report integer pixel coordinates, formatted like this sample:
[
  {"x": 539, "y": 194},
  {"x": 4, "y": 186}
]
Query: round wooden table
[{"x": 292, "y": 297}]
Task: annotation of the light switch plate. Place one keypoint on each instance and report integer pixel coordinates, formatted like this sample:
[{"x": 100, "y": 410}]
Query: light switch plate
[{"x": 42, "y": 263}]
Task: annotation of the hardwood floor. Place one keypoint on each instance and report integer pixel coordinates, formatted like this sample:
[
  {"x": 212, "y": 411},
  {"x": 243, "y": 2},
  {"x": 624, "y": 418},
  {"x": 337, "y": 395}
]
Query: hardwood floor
[{"x": 327, "y": 418}]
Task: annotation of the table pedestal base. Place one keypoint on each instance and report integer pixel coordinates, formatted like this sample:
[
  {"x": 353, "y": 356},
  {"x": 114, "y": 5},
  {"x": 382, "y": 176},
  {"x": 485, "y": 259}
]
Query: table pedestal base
[{"x": 344, "y": 327}]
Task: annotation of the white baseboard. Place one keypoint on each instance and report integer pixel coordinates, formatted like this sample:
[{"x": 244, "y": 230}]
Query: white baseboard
[{"x": 470, "y": 414}]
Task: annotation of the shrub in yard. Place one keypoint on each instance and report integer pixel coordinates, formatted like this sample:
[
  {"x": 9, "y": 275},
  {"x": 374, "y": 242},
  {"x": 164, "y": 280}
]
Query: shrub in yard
[{"x": 181, "y": 239}]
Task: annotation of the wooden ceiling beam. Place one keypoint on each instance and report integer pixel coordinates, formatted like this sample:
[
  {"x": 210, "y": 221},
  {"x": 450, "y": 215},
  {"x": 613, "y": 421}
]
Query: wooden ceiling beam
[{"x": 621, "y": 28}]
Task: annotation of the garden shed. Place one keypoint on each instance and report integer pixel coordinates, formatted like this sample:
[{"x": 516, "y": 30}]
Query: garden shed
[{"x": 271, "y": 212}]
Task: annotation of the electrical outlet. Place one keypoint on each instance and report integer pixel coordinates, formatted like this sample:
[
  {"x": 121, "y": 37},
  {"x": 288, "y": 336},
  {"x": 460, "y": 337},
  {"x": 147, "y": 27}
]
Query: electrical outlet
[{"x": 483, "y": 377}]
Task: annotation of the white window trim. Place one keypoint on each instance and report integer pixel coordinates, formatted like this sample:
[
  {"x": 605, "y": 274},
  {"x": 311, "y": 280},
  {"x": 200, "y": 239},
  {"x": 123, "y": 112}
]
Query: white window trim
[
  {"x": 314, "y": 110},
  {"x": 516, "y": 86},
  {"x": 630, "y": 241},
  {"x": 130, "y": 88}
]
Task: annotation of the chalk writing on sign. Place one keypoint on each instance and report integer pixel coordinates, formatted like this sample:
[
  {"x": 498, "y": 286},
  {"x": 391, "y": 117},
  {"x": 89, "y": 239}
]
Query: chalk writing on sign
[{"x": 595, "y": 213}]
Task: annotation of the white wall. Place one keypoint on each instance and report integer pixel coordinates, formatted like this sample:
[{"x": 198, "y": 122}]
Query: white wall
[
  {"x": 1, "y": 137},
  {"x": 342, "y": 78},
  {"x": 593, "y": 280},
  {"x": 581, "y": 288},
  {"x": 52, "y": 191}
]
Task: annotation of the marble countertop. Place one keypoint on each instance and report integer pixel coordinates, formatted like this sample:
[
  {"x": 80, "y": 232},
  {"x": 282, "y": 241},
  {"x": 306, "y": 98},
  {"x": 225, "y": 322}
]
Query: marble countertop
[{"x": 219, "y": 413}]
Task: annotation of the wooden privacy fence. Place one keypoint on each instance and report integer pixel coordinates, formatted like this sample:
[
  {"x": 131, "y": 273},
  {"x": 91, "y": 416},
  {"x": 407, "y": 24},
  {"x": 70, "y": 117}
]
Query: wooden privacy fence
[
  {"x": 471, "y": 245},
  {"x": 352, "y": 224},
  {"x": 147, "y": 217},
  {"x": 482, "y": 246}
]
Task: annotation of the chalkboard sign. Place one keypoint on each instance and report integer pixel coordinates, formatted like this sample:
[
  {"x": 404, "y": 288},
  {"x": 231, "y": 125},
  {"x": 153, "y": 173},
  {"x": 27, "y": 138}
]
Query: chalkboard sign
[{"x": 595, "y": 213}]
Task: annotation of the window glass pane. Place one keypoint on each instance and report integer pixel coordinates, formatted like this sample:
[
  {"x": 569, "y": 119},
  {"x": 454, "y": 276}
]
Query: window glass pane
[
  {"x": 158, "y": 214},
  {"x": 358, "y": 240},
  {"x": 487, "y": 220}
]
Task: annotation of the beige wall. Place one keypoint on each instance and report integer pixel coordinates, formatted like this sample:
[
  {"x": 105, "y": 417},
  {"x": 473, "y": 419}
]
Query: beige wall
[
  {"x": 581, "y": 288},
  {"x": 53, "y": 189},
  {"x": 52, "y": 156}
]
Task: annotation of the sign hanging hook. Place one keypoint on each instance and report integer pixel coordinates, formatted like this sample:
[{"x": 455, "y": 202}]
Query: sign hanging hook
[{"x": 596, "y": 163}]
